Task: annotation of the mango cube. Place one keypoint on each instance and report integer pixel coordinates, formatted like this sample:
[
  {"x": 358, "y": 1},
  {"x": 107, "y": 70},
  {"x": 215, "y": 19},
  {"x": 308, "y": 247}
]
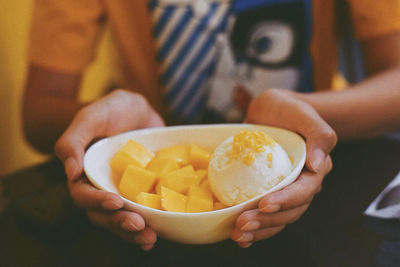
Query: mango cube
[
  {"x": 158, "y": 187},
  {"x": 172, "y": 201},
  {"x": 161, "y": 182},
  {"x": 181, "y": 179},
  {"x": 205, "y": 184},
  {"x": 119, "y": 163},
  {"x": 138, "y": 153},
  {"x": 179, "y": 153},
  {"x": 219, "y": 205},
  {"x": 201, "y": 175},
  {"x": 136, "y": 180},
  {"x": 162, "y": 165},
  {"x": 200, "y": 192},
  {"x": 199, "y": 157},
  {"x": 195, "y": 204},
  {"x": 149, "y": 200},
  {"x": 174, "y": 180}
]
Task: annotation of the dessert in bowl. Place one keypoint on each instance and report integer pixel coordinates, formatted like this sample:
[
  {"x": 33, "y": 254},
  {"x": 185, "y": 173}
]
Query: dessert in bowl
[{"x": 195, "y": 227}]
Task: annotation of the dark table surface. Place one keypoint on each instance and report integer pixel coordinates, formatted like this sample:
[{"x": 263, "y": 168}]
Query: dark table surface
[{"x": 39, "y": 226}]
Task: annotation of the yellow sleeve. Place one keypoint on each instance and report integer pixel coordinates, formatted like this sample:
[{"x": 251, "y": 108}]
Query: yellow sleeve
[
  {"x": 372, "y": 18},
  {"x": 63, "y": 34}
]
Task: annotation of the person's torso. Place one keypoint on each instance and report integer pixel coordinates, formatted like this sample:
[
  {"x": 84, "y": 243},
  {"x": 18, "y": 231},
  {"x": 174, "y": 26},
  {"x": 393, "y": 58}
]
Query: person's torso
[{"x": 214, "y": 56}]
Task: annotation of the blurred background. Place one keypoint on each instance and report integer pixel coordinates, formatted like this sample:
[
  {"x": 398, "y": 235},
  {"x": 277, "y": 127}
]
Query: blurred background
[
  {"x": 103, "y": 74},
  {"x": 15, "y": 152}
]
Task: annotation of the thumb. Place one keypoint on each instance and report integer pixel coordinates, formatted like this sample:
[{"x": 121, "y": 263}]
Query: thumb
[
  {"x": 281, "y": 109},
  {"x": 319, "y": 142},
  {"x": 70, "y": 147}
]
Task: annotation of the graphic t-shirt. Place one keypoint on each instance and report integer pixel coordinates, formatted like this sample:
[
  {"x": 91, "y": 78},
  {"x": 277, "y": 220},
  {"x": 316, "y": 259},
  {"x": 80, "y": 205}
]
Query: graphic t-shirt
[
  {"x": 215, "y": 56},
  {"x": 247, "y": 54}
]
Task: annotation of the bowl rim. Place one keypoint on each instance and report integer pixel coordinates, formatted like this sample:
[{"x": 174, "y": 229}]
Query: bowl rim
[{"x": 93, "y": 181}]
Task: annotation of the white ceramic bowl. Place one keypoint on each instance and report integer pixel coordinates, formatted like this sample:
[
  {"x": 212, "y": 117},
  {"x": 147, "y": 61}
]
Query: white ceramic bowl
[{"x": 190, "y": 228}]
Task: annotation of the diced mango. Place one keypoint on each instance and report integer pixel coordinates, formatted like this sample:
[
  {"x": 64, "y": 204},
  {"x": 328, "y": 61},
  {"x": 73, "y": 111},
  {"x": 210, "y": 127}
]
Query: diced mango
[
  {"x": 219, "y": 205},
  {"x": 179, "y": 153},
  {"x": 119, "y": 163},
  {"x": 205, "y": 184},
  {"x": 172, "y": 201},
  {"x": 139, "y": 154},
  {"x": 201, "y": 175},
  {"x": 149, "y": 200},
  {"x": 195, "y": 204},
  {"x": 200, "y": 192},
  {"x": 136, "y": 180},
  {"x": 199, "y": 157},
  {"x": 174, "y": 180},
  {"x": 158, "y": 187},
  {"x": 181, "y": 179},
  {"x": 161, "y": 182},
  {"x": 162, "y": 165}
]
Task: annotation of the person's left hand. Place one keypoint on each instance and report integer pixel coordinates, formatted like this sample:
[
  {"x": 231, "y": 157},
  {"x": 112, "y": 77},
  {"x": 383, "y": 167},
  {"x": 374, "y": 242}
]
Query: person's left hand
[{"x": 276, "y": 210}]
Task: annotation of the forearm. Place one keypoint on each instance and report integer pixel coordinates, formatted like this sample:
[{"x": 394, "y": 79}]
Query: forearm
[
  {"x": 367, "y": 109},
  {"x": 45, "y": 118},
  {"x": 49, "y": 104}
]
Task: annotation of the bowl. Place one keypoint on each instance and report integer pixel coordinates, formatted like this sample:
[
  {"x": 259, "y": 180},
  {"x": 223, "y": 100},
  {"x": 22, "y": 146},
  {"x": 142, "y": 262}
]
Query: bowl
[{"x": 190, "y": 228}]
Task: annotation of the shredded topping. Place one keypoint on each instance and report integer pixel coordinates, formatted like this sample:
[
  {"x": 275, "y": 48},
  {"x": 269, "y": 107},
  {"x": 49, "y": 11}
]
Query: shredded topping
[{"x": 246, "y": 143}]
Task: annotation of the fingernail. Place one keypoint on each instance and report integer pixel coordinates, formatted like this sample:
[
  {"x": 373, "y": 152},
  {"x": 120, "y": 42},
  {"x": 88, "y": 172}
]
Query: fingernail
[
  {"x": 245, "y": 237},
  {"x": 250, "y": 226},
  {"x": 128, "y": 225},
  {"x": 147, "y": 247},
  {"x": 318, "y": 157},
  {"x": 70, "y": 168},
  {"x": 110, "y": 204},
  {"x": 270, "y": 208},
  {"x": 246, "y": 245}
]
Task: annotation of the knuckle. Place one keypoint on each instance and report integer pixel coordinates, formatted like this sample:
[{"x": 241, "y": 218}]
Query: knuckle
[
  {"x": 319, "y": 189},
  {"x": 330, "y": 164},
  {"x": 93, "y": 218},
  {"x": 307, "y": 191},
  {"x": 116, "y": 219},
  {"x": 121, "y": 93},
  {"x": 297, "y": 216},
  {"x": 272, "y": 92},
  {"x": 124, "y": 94},
  {"x": 329, "y": 135},
  {"x": 75, "y": 198},
  {"x": 85, "y": 112},
  {"x": 60, "y": 147}
]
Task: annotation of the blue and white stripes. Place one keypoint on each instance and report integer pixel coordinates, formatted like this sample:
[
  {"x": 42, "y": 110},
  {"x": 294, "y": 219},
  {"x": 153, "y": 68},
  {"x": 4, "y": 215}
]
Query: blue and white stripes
[{"x": 187, "y": 52}]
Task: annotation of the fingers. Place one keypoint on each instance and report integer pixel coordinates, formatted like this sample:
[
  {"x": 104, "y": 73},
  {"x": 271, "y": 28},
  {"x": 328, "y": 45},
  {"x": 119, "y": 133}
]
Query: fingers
[
  {"x": 319, "y": 143},
  {"x": 279, "y": 208},
  {"x": 254, "y": 219},
  {"x": 86, "y": 196},
  {"x": 298, "y": 193},
  {"x": 145, "y": 238},
  {"x": 127, "y": 225},
  {"x": 125, "y": 220},
  {"x": 320, "y": 137},
  {"x": 253, "y": 225},
  {"x": 245, "y": 239},
  {"x": 117, "y": 112}
]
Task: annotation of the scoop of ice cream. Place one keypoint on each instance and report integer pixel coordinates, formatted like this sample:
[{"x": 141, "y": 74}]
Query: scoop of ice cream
[{"x": 246, "y": 165}]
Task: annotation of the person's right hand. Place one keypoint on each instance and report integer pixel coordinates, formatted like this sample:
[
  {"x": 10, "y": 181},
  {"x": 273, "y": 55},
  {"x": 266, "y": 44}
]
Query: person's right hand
[{"x": 117, "y": 112}]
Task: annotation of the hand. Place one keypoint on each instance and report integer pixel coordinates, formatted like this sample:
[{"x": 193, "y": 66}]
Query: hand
[
  {"x": 117, "y": 112},
  {"x": 276, "y": 210}
]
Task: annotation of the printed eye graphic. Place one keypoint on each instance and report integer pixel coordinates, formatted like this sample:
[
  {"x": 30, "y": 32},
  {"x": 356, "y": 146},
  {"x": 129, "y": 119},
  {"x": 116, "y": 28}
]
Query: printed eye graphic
[{"x": 270, "y": 42}]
